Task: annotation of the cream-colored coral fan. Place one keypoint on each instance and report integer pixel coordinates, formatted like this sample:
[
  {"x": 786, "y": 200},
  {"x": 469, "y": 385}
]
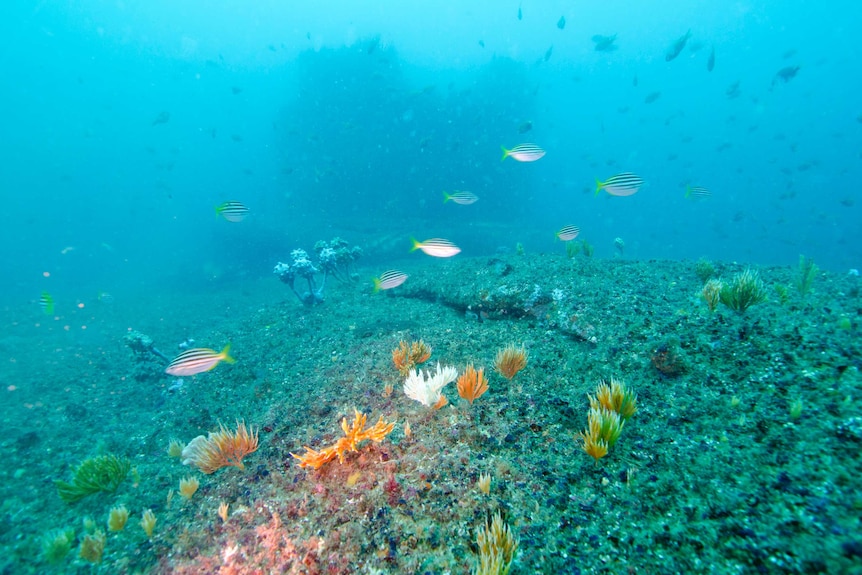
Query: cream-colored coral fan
[{"x": 425, "y": 387}]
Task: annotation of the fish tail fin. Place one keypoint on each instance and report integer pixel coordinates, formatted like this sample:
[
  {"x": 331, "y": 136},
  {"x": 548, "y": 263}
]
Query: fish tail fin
[
  {"x": 218, "y": 210},
  {"x": 505, "y": 153},
  {"x": 687, "y": 191},
  {"x": 225, "y": 353},
  {"x": 48, "y": 303},
  {"x": 599, "y": 186},
  {"x": 446, "y": 197},
  {"x": 416, "y": 244},
  {"x": 377, "y": 283}
]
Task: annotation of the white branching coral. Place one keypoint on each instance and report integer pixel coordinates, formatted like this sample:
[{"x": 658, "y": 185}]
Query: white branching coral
[{"x": 425, "y": 387}]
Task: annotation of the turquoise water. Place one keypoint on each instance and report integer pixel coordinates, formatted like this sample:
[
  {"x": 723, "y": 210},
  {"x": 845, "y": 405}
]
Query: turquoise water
[{"x": 126, "y": 124}]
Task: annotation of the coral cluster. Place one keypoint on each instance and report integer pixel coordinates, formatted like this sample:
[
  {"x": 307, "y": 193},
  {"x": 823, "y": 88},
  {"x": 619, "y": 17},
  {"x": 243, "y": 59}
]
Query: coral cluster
[
  {"x": 56, "y": 544},
  {"x": 334, "y": 259},
  {"x": 222, "y": 448},
  {"x": 148, "y": 522},
  {"x": 337, "y": 257},
  {"x": 704, "y": 270},
  {"x": 744, "y": 290},
  {"x": 711, "y": 293},
  {"x": 615, "y": 397},
  {"x": 407, "y": 356},
  {"x": 497, "y": 547},
  {"x": 353, "y": 435},
  {"x": 117, "y": 518},
  {"x": 301, "y": 267},
  {"x": 93, "y": 547},
  {"x": 807, "y": 272},
  {"x": 426, "y": 387},
  {"x": 510, "y": 361},
  {"x": 102, "y": 473},
  {"x": 611, "y": 406},
  {"x": 472, "y": 384}
]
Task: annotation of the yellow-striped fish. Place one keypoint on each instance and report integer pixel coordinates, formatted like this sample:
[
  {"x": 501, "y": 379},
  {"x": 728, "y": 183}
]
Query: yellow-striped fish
[
  {"x": 437, "y": 247},
  {"x": 697, "y": 192},
  {"x": 389, "y": 279},
  {"x": 46, "y": 302},
  {"x": 568, "y": 233},
  {"x": 232, "y": 211},
  {"x": 523, "y": 153},
  {"x": 463, "y": 198},
  {"x": 625, "y": 184},
  {"x": 198, "y": 360}
]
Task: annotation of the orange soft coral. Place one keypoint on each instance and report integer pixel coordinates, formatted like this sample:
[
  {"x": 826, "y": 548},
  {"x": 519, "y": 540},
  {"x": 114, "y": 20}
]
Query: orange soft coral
[
  {"x": 510, "y": 361},
  {"x": 353, "y": 435},
  {"x": 472, "y": 383},
  {"x": 407, "y": 356}
]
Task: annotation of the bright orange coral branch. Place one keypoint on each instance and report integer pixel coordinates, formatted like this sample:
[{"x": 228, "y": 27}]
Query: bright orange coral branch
[{"x": 353, "y": 435}]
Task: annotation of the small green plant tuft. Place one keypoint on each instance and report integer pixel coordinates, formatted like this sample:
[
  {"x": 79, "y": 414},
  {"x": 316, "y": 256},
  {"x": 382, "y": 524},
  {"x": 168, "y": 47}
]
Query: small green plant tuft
[
  {"x": 56, "y": 544},
  {"x": 704, "y": 270},
  {"x": 743, "y": 291},
  {"x": 587, "y": 248},
  {"x": 102, "y": 473},
  {"x": 783, "y": 293},
  {"x": 807, "y": 272},
  {"x": 796, "y": 409},
  {"x": 711, "y": 293},
  {"x": 93, "y": 547}
]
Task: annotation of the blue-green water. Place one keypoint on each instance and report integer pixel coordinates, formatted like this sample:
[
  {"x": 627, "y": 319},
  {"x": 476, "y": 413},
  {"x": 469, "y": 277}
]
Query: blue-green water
[{"x": 126, "y": 123}]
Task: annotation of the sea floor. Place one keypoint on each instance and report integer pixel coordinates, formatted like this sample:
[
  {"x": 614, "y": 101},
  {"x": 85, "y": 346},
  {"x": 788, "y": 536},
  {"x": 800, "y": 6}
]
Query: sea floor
[{"x": 743, "y": 455}]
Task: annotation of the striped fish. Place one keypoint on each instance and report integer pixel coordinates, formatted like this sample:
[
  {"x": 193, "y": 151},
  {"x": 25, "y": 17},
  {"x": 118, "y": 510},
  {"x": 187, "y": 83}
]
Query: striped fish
[
  {"x": 524, "y": 153},
  {"x": 697, "y": 193},
  {"x": 232, "y": 211},
  {"x": 46, "y": 302},
  {"x": 463, "y": 198},
  {"x": 568, "y": 233},
  {"x": 625, "y": 184},
  {"x": 437, "y": 247},
  {"x": 389, "y": 279},
  {"x": 198, "y": 360}
]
